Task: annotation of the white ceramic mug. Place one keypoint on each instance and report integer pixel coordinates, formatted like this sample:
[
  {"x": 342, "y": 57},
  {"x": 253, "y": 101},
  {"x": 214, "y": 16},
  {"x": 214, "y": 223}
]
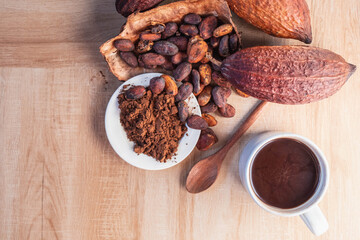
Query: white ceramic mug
[{"x": 309, "y": 210}]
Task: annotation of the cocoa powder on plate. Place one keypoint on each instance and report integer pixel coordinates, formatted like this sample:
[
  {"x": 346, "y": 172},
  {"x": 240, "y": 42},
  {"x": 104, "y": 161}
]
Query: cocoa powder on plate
[{"x": 152, "y": 123}]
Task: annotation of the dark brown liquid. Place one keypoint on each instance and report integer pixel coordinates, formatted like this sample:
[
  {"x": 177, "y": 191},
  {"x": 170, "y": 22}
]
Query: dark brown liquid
[{"x": 285, "y": 173}]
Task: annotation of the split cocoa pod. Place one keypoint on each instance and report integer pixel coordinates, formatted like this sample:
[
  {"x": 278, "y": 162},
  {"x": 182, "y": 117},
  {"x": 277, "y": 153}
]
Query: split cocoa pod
[{"x": 287, "y": 74}]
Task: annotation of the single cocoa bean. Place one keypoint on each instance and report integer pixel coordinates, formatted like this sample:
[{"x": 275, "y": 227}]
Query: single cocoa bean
[
  {"x": 124, "y": 45},
  {"x": 242, "y": 94},
  {"x": 202, "y": 86},
  {"x": 129, "y": 58},
  {"x": 220, "y": 95},
  {"x": 224, "y": 50},
  {"x": 220, "y": 80},
  {"x": 184, "y": 91},
  {"x": 206, "y": 140},
  {"x": 183, "y": 110},
  {"x": 195, "y": 76},
  {"x": 158, "y": 28},
  {"x": 157, "y": 85},
  {"x": 126, "y": 7},
  {"x": 152, "y": 59},
  {"x": 196, "y": 122},
  {"x": 189, "y": 30},
  {"x": 144, "y": 46},
  {"x": 135, "y": 92},
  {"x": 223, "y": 30},
  {"x": 214, "y": 42},
  {"x": 227, "y": 111},
  {"x": 170, "y": 29},
  {"x": 192, "y": 18},
  {"x": 207, "y": 26},
  {"x": 178, "y": 58},
  {"x": 182, "y": 71},
  {"x": 211, "y": 121},
  {"x": 205, "y": 96},
  {"x": 170, "y": 85},
  {"x": 197, "y": 49},
  {"x": 167, "y": 65},
  {"x": 165, "y": 48},
  {"x": 180, "y": 41},
  {"x": 209, "y": 108},
  {"x": 150, "y": 36},
  {"x": 233, "y": 43},
  {"x": 205, "y": 73}
]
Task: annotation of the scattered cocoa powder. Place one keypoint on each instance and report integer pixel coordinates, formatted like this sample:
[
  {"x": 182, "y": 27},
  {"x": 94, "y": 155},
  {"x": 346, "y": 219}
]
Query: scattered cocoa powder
[{"x": 152, "y": 123}]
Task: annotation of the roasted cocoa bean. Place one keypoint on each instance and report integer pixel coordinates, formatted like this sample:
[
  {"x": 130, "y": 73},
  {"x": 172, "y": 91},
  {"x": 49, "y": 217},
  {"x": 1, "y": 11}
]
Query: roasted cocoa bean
[
  {"x": 135, "y": 92},
  {"x": 157, "y": 85},
  {"x": 182, "y": 71},
  {"x": 224, "y": 50},
  {"x": 205, "y": 73},
  {"x": 242, "y": 94},
  {"x": 158, "y": 28},
  {"x": 197, "y": 49},
  {"x": 192, "y": 18},
  {"x": 178, "y": 58},
  {"x": 207, "y": 26},
  {"x": 170, "y": 29},
  {"x": 184, "y": 91},
  {"x": 227, "y": 111},
  {"x": 202, "y": 86},
  {"x": 183, "y": 110},
  {"x": 220, "y": 80},
  {"x": 147, "y": 35},
  {"x": 124, "y": 45},
  {"x": 220, "y": 95},
  {"x": 196, "y": 122},
  {"x": 165, "y": 48},
  {"x": 152, "y": 59},
  {"x": 209, "y": 108},
  {"x": 233, "y": 43},
  {"x": 206, "y": 140},
  {"x": 205, "y": 96},
  {"x": 170, "y": 85},
  {"x": 144, "y": 46},
  {"x": 129, "y": 58},
  {"x": 189, "y": 30},
  {"x": 214, "y": 42},
  {"x": 223, "y": 30},
  {"x": 180, "y": 41},
  {"x": 211, "y": 121},
  {"x": 195, "y": 77}
]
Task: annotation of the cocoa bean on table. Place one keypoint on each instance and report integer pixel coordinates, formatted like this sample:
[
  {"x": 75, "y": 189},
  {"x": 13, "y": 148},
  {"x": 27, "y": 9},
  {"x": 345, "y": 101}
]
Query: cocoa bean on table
[
  {"x": 205, "y": 96},
  {"x": 182, "y": 71},
  {"x": 227, "y": 111},
  {"x": 211, "y": 121},
  {"x": 165, "y": 48},
  {"x": 220, "y": 95},
  {"x": 209, "y": 108},
  {"x": 207, "y": 139},
  {"x": 196, "y": 122}
]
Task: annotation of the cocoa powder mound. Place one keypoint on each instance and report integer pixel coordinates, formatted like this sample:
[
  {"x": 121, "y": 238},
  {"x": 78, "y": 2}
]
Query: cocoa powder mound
[{"x": 152, "y": 123}]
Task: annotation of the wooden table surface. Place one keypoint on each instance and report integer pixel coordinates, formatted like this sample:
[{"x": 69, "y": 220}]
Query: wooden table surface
[{"x": 60, "y": 178}]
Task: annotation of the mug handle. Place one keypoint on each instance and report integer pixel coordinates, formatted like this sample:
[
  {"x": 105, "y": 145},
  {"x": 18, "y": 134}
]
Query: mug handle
[{"x": 315, "y": 221}]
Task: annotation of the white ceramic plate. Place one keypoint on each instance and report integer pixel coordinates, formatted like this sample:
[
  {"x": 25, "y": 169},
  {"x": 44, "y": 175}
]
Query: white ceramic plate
[{"x": 124, "y": 148}]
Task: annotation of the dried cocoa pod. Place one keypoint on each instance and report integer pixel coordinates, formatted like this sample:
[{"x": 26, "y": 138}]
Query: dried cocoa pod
[
  {"x": 214, "y": 42},
  {"x": 158, "y": 28},
  {"x": 195, "y": 76},
  {"x": 165, "y": 48},
  {"x": 233, "y": 43},
  {"x": 205, "y": 73},
  {"x": 192, "y": 18},
  {"x": 135, "y": 92},
  {"x": 227, "y": 111},
  {"x": 209, "y": 53},
  {"x": 183, "y": 110},
  {"x": 205, "y": 96},
  {"x": 157, "y": 85},
  {"x": 206, "y": 140},
  {"x": 223, "y": 30},
  {"x": 207, "y": 27},
  {"x": 126, "y": 7},
  {"x": 152, "y": 59},
  {"x": 182, "y": 71},
  {"x": 224, "y": 50},
  {"x": 209, "y": 108},
  {"x": 298, "y": 74},
  {"x": 170, "y": 85},
  {"x": 144, "y": 46},
  {"x": 240, "y": 92},
  {"x": 170, "y": 29},
  {"x": 220, "y": 80},
  {"x": 124, "y": 45},
  {"x": 189, "y": 30},
  {"x": 147, "y": 35},
  {"x": 180, "y": 41},
  {"x": 129, "y": 58},
  {"x": 197, "y": 49},
  {"x": 167, "y": 65},
  {"x": 196, "y": 122},
  {"x": 178, "y": 58},
  {"x": 184, "y": 91},
  {"x": 220, "y": 95},
  {"x": 211, "y": 121}
]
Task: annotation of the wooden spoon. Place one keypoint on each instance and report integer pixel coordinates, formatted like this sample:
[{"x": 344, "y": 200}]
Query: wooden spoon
[{"x": 204, "y": 173}]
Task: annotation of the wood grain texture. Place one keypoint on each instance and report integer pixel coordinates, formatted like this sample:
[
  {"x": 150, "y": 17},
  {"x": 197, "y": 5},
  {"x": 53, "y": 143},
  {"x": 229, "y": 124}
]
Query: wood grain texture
[{"x": 60, "y": 178}]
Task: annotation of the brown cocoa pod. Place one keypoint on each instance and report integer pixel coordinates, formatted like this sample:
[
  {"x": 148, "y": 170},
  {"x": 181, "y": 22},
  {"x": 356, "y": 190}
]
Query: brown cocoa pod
[
  {"x": 183, "y": 110},
  {"x": 209, "y": 53},
  {"x": 182, "y": 71},
  {"x": 205, "y": 96},
  {"x": 170, "y": 29},
  {"x": 298, "y": 74},
  {"x": 170, "y": 85},
  {"x": 158, "y": 28},
  {"x": 233, "y": 43},
  {"x": 135, "y": 92},
  {"x": 189, "y": 30},
  {"x": 223, "y": 30},
  {"x": 167, "y": 65},
  {"x": 227, "y": 111},
  {"x": 180, "y": 41},
  {"x": 207, "y": 26},
  {"x": 147, "y": 35},
  {"x": 129, "y": 58},
  {"x": 157, "y": 85},
  {"x": 165, "y": 48},
  {"x": 224, "y": 50},
  {"x": 124, "y": 45},
  {"x": 192, "y": 18},
  {"x": 220, "y": 95},
  {"x": 239, "y": 92},
  {"x": 152, "y": 59},
  {"x": 195, "y": 77},
  {"x": 209, "y": 108},
  {"x": 144, "y": 46},
  {"x": 184, "y": 91},
  {"x": 206, "y": 140},
  {"x": 214, "y": 42},
  {"x": 126, "y": 7},
  {"x": 178, "y": 58},
  {"x": 211, "y": 121},
  {"x": 197, "y": 49},
  {"x": 205, "y": 73},
  {"x": 196, "y": 122},
  {"x": 220, "y": 80}
]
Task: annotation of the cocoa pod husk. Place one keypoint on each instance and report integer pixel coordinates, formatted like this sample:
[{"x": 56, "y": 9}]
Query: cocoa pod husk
[{"x": 287, "y": 74}]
